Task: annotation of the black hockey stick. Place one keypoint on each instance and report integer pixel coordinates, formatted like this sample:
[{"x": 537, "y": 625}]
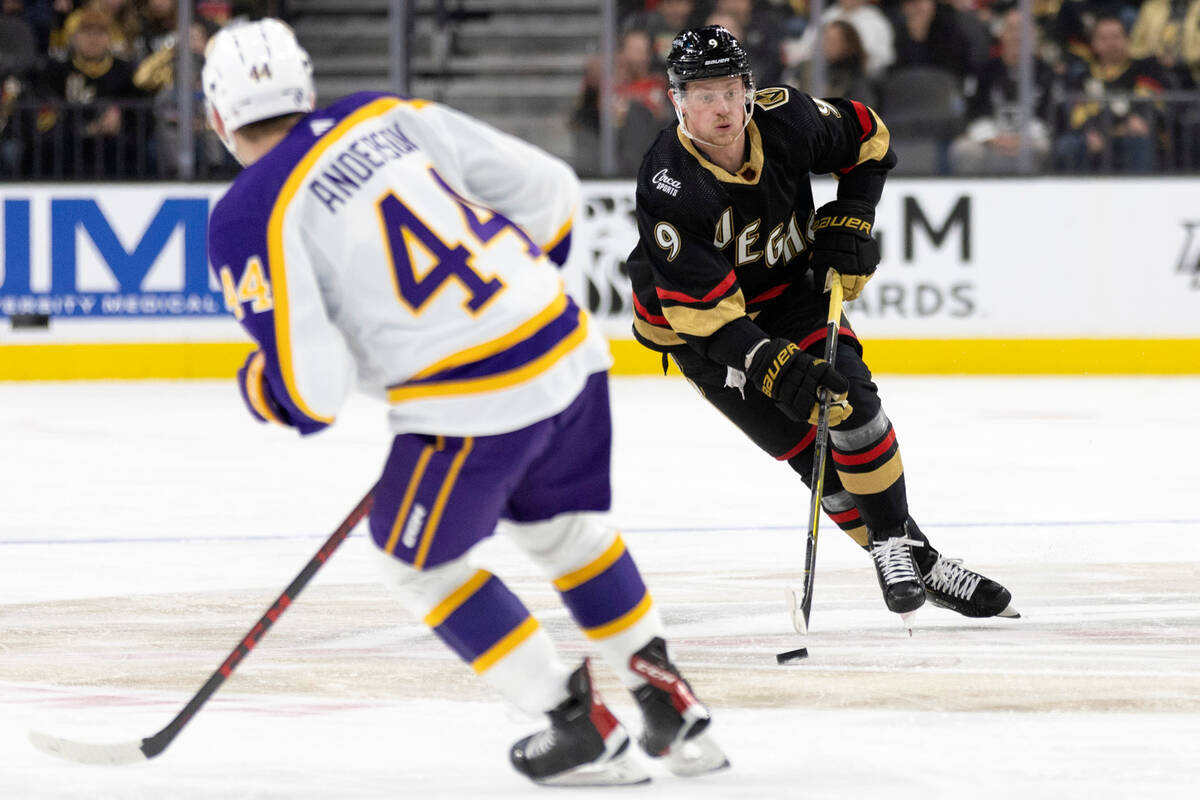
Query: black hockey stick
[
  {"x": 802, "y": 609},
  {"x": 133, "y": 752}
]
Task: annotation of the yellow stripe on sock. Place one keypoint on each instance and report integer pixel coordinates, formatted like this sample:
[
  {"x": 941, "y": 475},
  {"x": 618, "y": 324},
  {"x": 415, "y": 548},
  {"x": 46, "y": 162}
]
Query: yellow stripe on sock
[
  {"x": 456, "y": 598},
  {"x": 586, "y": 573},
  {"x": 623, "y": 622},
  {"x": 502, "y": 648}
]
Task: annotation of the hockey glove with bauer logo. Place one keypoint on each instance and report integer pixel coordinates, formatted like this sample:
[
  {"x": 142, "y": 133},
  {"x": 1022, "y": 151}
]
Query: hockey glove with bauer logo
[
  {"x": 789, "y": 376},
  {"x": 256, "y": 392},
  {"x": 842, "y": 242}
]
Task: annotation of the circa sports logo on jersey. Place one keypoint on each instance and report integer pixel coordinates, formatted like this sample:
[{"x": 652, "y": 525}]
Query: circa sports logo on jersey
[{"x": 665, "y": 183}]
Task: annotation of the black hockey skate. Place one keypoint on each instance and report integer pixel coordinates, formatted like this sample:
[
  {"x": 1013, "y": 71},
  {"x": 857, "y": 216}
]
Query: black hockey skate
[
  {"x": 585, "y": 745},
  {"x": 951, "y": 585},
  {"x": 892, "y": 551},
  {"x": 674, "y": 722}
]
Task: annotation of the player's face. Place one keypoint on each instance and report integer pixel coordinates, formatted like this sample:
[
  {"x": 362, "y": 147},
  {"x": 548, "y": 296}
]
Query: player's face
[{"x": 715, "y": 109}]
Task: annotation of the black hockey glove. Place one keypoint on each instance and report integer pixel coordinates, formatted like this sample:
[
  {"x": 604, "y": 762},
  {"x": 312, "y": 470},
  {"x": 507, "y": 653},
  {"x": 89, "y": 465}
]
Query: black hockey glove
[
  {"x": 789, "y": 376},
  {"x": 842, "y": 242}
]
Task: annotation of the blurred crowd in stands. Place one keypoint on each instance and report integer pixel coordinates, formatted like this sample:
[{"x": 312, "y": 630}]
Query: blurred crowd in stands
[
  {"x": 87, "y": 88},
  {"x": 1114, "y": 83}
]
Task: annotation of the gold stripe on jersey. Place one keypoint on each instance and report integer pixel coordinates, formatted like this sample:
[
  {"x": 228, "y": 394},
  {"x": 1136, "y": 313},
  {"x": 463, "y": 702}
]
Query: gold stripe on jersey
[
  {"x": 656, "y": 334},
  {"x": 491, "y": 348},
  {"x": 875, "y": 148},
  {"x": 275, "y": 252},
  {"x": 501, "y": 380},
  {"x": 706, "y": 321},
  {"x": 748, "y": 173},
  {"x": 561, "y": 234}
]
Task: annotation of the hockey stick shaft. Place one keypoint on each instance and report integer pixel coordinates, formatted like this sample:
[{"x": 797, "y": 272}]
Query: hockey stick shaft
[
  {"x": 155, "y": 744},
  {"x": 821, "y": 448},
  {"x": 151, "y": 746}
]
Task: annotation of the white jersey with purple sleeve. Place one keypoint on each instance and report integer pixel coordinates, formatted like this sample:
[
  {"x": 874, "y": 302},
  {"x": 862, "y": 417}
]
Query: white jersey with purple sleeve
[{"x": 402, "y": 247}]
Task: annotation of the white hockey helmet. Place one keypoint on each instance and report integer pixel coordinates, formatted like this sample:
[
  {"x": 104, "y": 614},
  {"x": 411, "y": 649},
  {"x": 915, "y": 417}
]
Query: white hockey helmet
[{"x": 255, "y": 71}]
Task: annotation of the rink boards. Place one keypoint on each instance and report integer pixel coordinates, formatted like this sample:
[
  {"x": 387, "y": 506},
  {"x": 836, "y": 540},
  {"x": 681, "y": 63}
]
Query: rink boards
[{"x": 1005, "y": 276}]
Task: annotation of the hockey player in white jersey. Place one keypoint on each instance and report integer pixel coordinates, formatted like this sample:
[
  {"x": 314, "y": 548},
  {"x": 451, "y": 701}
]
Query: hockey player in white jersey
[{"x": 400, "y": 247}]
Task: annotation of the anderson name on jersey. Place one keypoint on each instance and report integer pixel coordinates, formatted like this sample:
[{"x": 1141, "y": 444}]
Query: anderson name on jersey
[
  {"x": 351, "y": 259},
  {"x": 716, "y": 246}
]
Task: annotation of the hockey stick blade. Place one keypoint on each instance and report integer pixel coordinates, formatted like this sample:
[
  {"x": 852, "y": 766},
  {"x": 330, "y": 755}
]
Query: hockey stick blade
[
  {"x": 115, "y": 754},
  {"x": 151, "y": 746},
  {"x": 795, "y": 603}
]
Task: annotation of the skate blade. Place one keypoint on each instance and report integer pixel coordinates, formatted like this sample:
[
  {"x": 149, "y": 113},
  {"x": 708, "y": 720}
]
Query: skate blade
[
  {"x": 1009, "y": 613},
  {"x": 623, "y": 770},
  {"x": 906, "y": 620},
  {"x": 696, "y": 756},
  {"x": 795, "y": 599}
]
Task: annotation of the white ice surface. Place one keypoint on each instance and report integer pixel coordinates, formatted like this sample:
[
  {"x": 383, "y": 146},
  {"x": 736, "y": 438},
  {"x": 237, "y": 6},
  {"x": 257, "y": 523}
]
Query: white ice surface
[{"x": 145, "y": 526}]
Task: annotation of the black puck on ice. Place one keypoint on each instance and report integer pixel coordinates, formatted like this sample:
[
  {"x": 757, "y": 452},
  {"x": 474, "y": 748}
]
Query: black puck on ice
[{"x": 792, "y": 655}]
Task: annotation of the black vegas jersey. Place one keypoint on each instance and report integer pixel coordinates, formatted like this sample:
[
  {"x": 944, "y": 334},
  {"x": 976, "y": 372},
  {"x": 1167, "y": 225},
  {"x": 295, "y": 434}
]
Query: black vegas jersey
[{"x": 715, "y": 246}]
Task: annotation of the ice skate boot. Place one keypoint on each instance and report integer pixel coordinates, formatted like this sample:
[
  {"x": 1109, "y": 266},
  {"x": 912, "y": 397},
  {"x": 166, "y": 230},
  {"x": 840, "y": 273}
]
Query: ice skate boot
[
  {"x": 585, "y": 745},
  {"x": 892, "y": 551},
  {"x": 951, "y": 585},
  {"x": 675, "y": 723}
]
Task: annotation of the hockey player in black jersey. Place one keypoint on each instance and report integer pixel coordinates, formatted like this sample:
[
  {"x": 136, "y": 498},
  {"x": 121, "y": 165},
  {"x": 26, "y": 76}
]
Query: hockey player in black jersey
[{"x": 729, "y": 276}]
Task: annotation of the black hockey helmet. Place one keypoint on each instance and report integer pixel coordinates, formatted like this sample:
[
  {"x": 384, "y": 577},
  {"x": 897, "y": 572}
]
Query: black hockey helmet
[{"x": 707, "y": 52}]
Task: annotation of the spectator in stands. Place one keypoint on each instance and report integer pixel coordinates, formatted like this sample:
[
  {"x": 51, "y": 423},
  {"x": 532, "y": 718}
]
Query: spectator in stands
[
  {"x": 762, "y": 35},
  {"x": 845, "y": 66},
  {"x": 40, "y": 16},
  {"x": 156, "y": 76},
  {"x": 58, "y": 39},
  {"x": 973, "y": 18},
  {"x": 1115, "y": 125},
  {"x": 992, "y": 139},
  {"x": 661, "y": 25},
  {"x": 928, "y": 35},
  {"x": 157, "y": 22},
  {"x": 640, "y": 106},
  {"x": 127, "y": 24},
  {"x": 1169, "y": 30},
  {"x": 18, "y": 43},
  {"x": 873, "y": 28},
  {"x": 18, "y": 57},
  {"x": 90, "y": 136}
]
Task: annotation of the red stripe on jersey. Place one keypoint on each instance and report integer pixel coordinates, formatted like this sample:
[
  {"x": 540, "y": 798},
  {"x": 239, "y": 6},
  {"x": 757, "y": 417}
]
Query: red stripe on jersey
[
  {"x": 864, "y": 119},
  {"x": 767, "y": 295},
  {"x": 803, "y": 443},
  {"x": 845, "y": 516},
  {"x": 816, "y": 336},
  {"x": 645, "y": 314},
  {"x": 872, "y": 454},
  {"x": 717, "y": 291}
]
